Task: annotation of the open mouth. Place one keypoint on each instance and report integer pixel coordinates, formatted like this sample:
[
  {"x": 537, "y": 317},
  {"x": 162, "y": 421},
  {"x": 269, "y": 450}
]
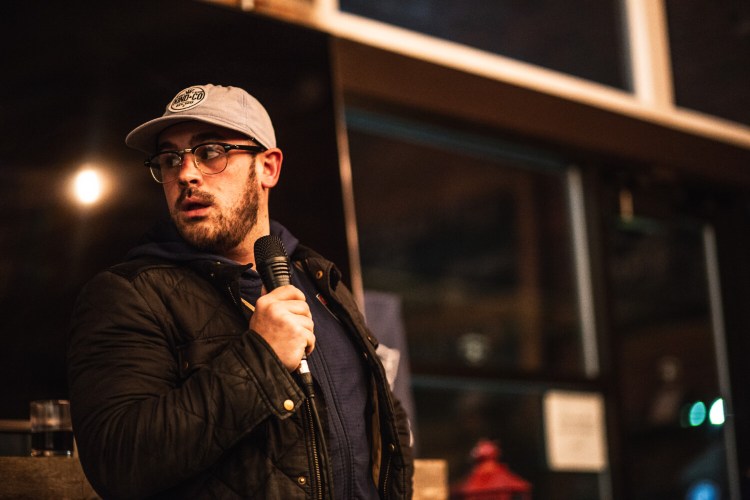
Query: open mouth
[{"x": 194, "y": 208}]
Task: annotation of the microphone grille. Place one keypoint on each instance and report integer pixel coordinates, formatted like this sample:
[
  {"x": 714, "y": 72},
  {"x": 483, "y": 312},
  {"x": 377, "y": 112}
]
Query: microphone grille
[{"x": 269, "y": 247}]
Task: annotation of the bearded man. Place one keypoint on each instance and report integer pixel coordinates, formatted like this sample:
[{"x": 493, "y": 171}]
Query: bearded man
[{"x": 183, "y": 369}]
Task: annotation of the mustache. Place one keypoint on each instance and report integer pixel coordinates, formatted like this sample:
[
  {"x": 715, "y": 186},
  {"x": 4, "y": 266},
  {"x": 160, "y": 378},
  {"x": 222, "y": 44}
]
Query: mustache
[{"x": 196, "y": 195}]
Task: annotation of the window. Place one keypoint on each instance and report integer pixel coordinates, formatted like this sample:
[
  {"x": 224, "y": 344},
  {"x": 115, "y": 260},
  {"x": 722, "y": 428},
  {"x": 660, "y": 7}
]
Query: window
[
  {"x": 710, "y": 49},
  {"x": 579, "y": 37},
  {"x": 472, "y": 235}
]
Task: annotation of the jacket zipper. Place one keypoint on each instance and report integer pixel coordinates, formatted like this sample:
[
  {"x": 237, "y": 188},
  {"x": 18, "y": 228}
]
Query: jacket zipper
[
  {"x": 386, "y": 476},
  {"x": 316, "y": 456}
]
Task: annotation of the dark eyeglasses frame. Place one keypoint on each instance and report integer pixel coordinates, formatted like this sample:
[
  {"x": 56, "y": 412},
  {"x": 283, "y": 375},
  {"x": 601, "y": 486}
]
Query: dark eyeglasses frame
[{"x": 180, "y": 153}]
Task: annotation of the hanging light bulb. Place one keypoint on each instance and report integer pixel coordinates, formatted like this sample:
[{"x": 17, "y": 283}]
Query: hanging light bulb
[{"x": 89, "y": 185}]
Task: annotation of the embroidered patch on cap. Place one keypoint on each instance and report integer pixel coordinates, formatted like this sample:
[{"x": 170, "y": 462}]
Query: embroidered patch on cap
[{"x": 188, "y": 98}]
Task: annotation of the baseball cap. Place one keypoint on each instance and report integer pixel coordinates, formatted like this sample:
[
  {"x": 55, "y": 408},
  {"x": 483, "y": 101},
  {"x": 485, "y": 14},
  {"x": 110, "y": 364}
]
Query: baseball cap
[{"x": 229, "y": 107}]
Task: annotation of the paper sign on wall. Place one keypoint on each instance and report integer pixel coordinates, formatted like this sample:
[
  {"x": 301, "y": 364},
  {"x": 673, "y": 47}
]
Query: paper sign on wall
[{"x": 574, "y": 431}]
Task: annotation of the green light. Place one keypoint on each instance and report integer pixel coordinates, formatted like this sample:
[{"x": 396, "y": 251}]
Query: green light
[
  {"x": 697, "y": 414},
  {"x": 716, "y": 413}
]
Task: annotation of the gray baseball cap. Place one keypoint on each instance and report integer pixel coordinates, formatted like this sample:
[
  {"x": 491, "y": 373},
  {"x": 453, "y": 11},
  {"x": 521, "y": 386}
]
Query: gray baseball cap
[{"x": 229, "y": 107}]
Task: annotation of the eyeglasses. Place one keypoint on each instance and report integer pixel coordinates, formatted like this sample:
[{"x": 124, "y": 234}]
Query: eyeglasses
[{"x": 210, "y": 158}]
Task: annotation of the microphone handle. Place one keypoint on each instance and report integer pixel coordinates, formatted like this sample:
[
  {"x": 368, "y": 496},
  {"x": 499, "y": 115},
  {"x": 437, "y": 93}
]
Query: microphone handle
[{"x": 275, "y": 270}]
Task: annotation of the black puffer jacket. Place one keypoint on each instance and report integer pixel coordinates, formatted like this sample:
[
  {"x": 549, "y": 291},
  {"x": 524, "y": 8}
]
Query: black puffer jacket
[{"x": 173, "y": 397}]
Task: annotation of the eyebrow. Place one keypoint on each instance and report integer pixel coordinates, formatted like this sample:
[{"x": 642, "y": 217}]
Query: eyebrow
[{"x": 196, "y": 139}]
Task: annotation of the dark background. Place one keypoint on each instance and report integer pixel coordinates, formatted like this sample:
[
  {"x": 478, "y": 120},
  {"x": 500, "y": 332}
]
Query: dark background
[{"x": 78, "y": 76}]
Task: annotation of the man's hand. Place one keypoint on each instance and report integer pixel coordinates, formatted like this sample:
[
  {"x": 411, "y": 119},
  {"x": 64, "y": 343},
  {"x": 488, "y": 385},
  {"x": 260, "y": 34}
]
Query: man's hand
[{"x": 283, "y": 318}]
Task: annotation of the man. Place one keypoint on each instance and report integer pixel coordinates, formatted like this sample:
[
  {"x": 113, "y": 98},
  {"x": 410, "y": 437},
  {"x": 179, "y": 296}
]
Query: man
[{"x": 182, "y": 369}]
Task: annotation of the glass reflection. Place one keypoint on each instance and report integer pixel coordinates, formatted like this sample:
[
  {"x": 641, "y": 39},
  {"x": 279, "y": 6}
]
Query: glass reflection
[
  {"x": 474, "y": 237},
  {"x": 472, "y": 234},
  {"x": 666, "y": 358}
]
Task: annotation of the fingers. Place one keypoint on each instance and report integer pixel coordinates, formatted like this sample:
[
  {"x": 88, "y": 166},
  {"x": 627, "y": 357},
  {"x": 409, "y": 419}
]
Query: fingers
[
  {"x": 293, "y": 298},
  {"x": 283, "y": 318},
  {"x": 309, "y": 339},
  {"x": 286, "y": 292}
]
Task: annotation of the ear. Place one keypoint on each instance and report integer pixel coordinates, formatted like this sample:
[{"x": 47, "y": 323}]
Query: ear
[{"x": 270, "y": 167}]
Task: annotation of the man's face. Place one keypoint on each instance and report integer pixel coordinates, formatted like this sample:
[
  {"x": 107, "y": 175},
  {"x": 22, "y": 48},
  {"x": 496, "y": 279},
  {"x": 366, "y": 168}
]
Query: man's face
[{"x": 215, "y": 212}]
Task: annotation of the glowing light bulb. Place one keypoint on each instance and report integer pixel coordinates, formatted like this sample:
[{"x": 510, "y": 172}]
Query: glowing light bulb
[
  {"x": 88, "y": 186},
  {"x": 697, "y": 414},
  {"x": 716, "y": 413}
]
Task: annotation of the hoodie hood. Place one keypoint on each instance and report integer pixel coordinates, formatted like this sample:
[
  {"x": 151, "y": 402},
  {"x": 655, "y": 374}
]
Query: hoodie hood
[{"x": 164, "y": 242}]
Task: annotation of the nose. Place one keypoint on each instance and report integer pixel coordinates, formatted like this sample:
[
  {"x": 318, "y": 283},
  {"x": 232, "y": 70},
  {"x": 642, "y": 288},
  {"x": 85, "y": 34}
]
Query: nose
[{"x": 189, "y": 173}]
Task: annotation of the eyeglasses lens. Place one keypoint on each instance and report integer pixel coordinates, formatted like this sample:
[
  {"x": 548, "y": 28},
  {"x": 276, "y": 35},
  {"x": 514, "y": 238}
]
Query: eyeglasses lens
[
  {"x": 212, "y": 158},
  {"x": 209, "y": 158}
]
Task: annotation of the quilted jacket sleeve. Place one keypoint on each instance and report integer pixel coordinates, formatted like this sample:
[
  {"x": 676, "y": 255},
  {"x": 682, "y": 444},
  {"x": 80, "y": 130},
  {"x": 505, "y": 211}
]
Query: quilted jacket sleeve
[{"x": 140, "y": 427}]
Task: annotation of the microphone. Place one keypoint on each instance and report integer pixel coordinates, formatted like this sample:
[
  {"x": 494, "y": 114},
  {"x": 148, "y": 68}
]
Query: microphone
[{"x": 272, "y": 263}]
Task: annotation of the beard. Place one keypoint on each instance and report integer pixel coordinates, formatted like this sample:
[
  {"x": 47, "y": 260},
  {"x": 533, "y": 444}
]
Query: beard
[{"x": 222, "y": 230}]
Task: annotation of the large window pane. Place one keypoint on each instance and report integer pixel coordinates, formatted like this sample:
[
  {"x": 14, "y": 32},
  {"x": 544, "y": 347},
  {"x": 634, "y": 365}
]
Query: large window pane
[
  {"x": 710, "y": 49},
  {"x": 473, "y": 236},
  {"x": 579, "y": 37}
]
